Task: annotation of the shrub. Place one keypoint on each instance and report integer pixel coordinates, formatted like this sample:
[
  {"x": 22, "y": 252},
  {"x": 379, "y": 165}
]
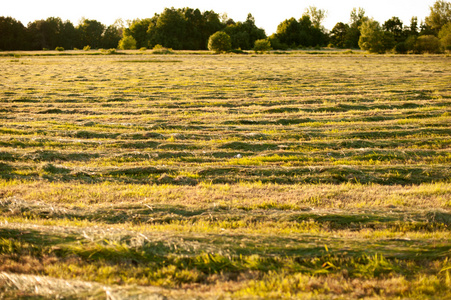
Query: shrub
[
  {"x": 410, "y": 43},
  {"x": 219, "y": 42},
  {"x": 401, "y": 48},
  {"x": 143, "y": 49},
  {"x": 159, "y": 49},
  {"x": 109, "y": 51},
  {"x": 59, "y": 49},
  {"x": 127, "y": 43},
  {"x": 262, "y": 45},
  {"x": 428, "y": 44},
  {"x": 276, "y": 44},
  {"x": 87, "y": 48},
  {"x": 238, "y": 51}
]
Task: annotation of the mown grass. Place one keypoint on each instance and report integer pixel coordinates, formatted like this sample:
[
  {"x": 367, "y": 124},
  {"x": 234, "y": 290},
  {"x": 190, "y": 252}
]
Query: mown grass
[{"x": 201, "y": 176}]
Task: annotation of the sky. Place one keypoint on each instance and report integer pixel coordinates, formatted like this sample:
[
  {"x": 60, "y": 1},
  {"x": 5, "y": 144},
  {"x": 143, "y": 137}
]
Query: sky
[{"x": 267, "y": 14}]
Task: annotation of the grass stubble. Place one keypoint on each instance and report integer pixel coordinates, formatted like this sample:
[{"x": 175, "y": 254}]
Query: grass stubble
[{"x": 225, "y": 176}]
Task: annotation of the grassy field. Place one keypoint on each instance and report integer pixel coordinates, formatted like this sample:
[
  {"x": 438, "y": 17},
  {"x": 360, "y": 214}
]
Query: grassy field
[{"x": 225, "y": 176}]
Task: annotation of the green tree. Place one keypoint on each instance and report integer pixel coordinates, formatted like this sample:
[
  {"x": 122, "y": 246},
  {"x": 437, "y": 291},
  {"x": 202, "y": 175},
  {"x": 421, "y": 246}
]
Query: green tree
[
  {"x": 395, "y": 26},
  {"x": 184, "y": 28},
  {"x": 139, "y": 30},
  {"x": 338, "y": 35},
  {"x": 413, "y": 28},
  {"x": 373, "y": 38},
  {"x": 91, "y": 32},
  {"x": 219, "y": 42},
  {"x": 288, "y": 32},
  {"x": 13, "y": 35},
  {"x": 445, "y": 36},
  {"x": 316, "y": 15},
  {"x": 440, "y": 14},
  {"x": 244, "y": 34},
  {"x": 69, "y": 38},
  {"x": 353, "y": 34},
  {"x": 112, "y": 35},
  {"x": 170, "y": 29},
  {"x": 46, "y": 33}
]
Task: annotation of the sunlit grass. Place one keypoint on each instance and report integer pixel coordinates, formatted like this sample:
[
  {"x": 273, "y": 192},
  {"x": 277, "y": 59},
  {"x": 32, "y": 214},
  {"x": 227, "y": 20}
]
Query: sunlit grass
[{"x": 263, "y": 176}]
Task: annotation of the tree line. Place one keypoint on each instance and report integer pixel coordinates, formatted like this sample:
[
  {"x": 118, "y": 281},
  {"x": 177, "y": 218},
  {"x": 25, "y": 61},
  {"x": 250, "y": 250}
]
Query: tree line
[{"x": 190, "y": 29}]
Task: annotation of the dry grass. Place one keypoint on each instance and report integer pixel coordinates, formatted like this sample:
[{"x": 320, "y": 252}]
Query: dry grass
[{"x": 254, "y": 176}]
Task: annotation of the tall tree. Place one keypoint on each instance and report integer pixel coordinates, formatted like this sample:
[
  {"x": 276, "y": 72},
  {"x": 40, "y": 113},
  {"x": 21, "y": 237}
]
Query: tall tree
[
  {"x": 374, "y": 39},
  {"x": 356, "y": 20},
  {"x": 170, "y": 29},
  {"x": 91, "y": 32},
  {"x": 288, "y": 32},
  {"x": 338, "y": 35},
  {"x": 13, "y": 35},
  {"x": 316, "y": 15},
  {"x": 395, "y": 26},
  {"x": 440, "y": 14},
  {"x": 140, "y": 30},
  {"x": 47, "y": 33},
  {"x": 244, "y": 34}
]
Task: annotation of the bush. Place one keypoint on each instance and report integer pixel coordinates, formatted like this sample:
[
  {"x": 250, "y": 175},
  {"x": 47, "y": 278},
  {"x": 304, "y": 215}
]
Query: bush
[
  {"x": 59, "y": 49},
  {"x": 87, "y": 48},
  {"x": 127, "y": 43},
  {"x": 109, "y": 51},
  {"x": 401, "y": 48},
  {"x": 276, "y": 44},
  {"x": 410, "y": 43},
  {"x": 262, "y": 45},
  {"x": 428, "y": 44},
  {"x": 159, "y": 49},
  {"x": 219, "y": 42}
]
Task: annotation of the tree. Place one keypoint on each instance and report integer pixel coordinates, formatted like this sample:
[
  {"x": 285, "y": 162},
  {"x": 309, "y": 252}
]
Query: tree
[
  {"x": 288, "y": 32},
  {"x": 316, "y": 15},
  {"x": 338, "y": 35},
  {"x": 113, "y": 35},
  {"x": 13, "y": 35},
  {"x": 184, "y": 28},
  {"x": 353, "y": 34},
  {"x": 413, "y": 28},
  {"x": 170, "y": 29},
  {"x": 244, "y": 34},
  {"x": 440, "y": 15},
  {"x": 141, "y": 31},
  {"x": 69, "y": 36},
  {"x": 91, "y": 32},
  {"x": 395, "y": 26},
  {"x": 219, "y": 42},
  {"x": 373, "y": 38},
  {"x": 445, "y": 36},
  {"x": 46, "y": 34}
]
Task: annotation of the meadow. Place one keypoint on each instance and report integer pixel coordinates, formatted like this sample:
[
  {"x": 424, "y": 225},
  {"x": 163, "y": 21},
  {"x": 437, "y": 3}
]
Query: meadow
[{"x": 291, "y": 175}]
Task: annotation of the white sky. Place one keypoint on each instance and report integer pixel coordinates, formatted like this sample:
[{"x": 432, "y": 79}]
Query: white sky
[{"x": 267, "y": 14}]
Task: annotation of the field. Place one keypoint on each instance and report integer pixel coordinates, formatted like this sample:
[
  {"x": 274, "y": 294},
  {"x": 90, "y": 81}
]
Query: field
[{"x": 293, "y": 175}]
